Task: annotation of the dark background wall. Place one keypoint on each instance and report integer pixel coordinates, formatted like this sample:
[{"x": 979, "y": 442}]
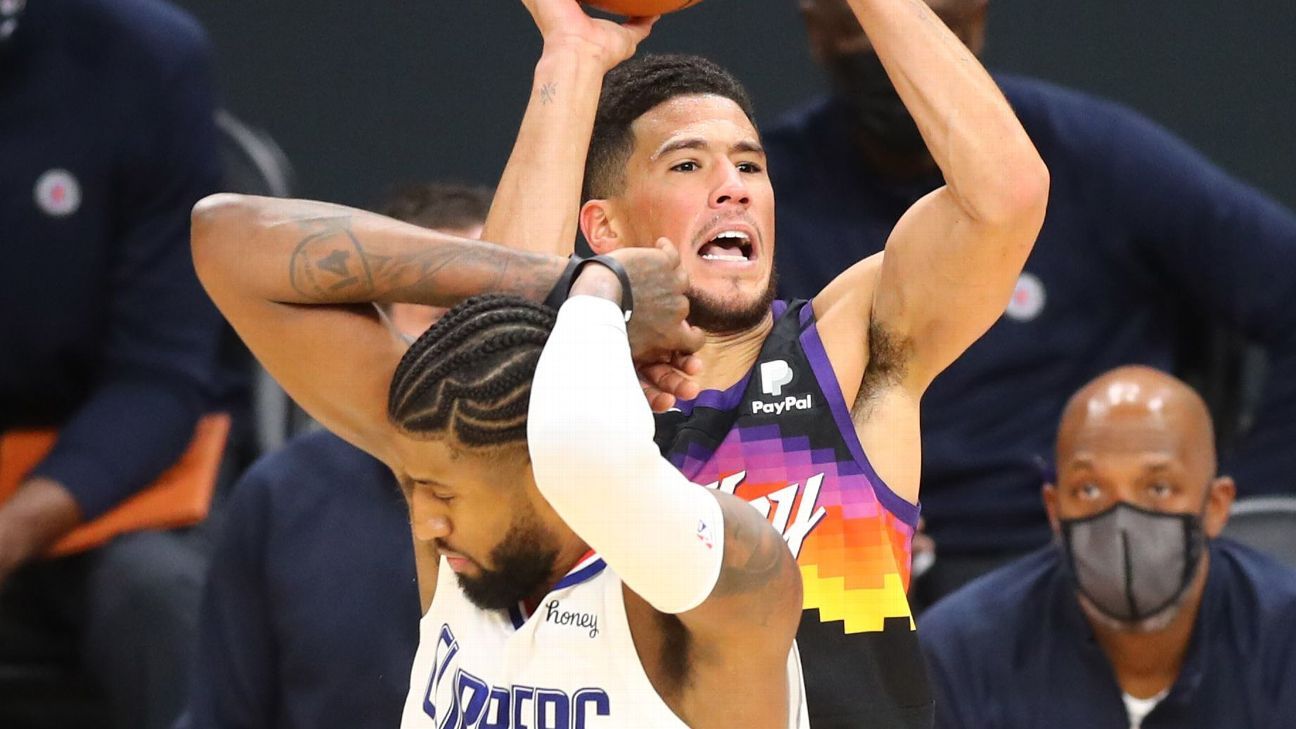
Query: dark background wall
[{"x": 364, "y": 94}]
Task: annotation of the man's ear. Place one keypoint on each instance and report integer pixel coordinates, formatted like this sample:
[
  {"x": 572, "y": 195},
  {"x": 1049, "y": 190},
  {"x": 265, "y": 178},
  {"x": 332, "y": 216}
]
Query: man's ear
[
  {"x": 1219, "y": 502},
  {"x": 1049, "y": 492},
  {"x": 597, "y": 227}
]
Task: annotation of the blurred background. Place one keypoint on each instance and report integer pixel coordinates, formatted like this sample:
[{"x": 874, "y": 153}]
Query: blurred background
[{"x": 362, "y": 94}]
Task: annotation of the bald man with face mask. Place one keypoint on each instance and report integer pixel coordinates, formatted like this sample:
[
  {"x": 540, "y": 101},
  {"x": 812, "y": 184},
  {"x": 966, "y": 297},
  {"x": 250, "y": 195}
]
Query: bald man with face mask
[{"x": 1138, "y": 615}]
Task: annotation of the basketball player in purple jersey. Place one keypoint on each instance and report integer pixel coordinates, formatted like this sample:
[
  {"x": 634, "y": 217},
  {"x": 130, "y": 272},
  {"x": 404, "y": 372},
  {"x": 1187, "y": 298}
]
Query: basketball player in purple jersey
[{"x": 810, "y": 409}]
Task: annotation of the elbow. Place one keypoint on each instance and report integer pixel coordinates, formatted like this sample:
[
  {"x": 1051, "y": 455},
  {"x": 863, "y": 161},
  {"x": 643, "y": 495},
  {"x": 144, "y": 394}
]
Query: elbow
[
  {"x": 1021, "y": 195},
  {"x": 216, "y": 221}
]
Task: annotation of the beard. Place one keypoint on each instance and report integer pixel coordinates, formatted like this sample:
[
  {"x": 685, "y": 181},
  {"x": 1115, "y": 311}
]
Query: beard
[
  {"x": 720, "y": 316},
  {"x": 524, "y": 562}
]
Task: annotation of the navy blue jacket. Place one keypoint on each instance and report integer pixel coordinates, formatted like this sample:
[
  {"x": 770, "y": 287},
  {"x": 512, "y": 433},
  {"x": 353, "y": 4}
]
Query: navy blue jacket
[
  {"x": 106, "y": 142},
  {"x": 310, "y": 618},
  {"x": 1012, "y": 650},
  {"x": 1144, "y": 238}
]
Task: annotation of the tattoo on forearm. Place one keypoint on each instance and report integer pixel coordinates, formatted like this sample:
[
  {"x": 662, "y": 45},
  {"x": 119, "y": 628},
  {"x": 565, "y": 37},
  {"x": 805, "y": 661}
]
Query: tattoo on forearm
[
  {"x": 548, "y": 92},
  {"x": 331, "y": 264}
]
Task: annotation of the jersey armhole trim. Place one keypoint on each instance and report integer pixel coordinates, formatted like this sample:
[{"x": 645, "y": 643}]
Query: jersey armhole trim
[{"x": 812, "y": 344}]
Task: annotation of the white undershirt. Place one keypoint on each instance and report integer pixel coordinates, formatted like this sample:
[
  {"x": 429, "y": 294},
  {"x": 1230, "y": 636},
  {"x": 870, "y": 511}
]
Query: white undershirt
[{"x": 1138, "y": 709}]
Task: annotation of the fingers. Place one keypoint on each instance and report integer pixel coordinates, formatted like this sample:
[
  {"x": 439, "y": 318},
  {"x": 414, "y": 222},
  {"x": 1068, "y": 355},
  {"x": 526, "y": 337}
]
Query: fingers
[
  {"x": 659, "y": 401},
  {"x": 639, "y": 28},
  {"x": 672, "y": 254},
  {"x": 691, "y": 339},
  {"x": 667, "y": 379},
  {"x": 689, "y": 364}
]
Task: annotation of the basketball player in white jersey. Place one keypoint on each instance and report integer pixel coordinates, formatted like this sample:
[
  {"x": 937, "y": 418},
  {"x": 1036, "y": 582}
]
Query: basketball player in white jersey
[{"x": 605, "y": 590}]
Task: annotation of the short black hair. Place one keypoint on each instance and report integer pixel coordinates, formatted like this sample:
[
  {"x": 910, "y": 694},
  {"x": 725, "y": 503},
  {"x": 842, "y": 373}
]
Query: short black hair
[
  {"x": 439, "y": 205},
  {"x": 467, "y": 380},
  {"x": 635, "y": 88}
]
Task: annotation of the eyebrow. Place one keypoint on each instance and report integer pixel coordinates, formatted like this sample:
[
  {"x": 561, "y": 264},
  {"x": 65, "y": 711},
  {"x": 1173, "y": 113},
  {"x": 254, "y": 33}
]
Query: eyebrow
[{"x": 674, "y": 145}]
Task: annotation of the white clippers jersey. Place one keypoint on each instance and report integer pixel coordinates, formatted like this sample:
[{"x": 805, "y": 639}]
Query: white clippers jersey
[{"x": 570, "y": 665}]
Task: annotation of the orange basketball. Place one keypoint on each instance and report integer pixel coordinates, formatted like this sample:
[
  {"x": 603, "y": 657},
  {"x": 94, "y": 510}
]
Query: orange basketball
[{"x": 637, "y": 8}]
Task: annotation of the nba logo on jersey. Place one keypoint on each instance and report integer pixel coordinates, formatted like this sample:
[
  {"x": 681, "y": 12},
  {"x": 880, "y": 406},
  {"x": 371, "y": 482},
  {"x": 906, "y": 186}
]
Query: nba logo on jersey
[{"x": 456, "y": 699}]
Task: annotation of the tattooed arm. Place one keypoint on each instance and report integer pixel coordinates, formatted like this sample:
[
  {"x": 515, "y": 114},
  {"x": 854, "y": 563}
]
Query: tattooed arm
[
  {"x": 296, "y": 280},
  {"x": 539, "y": 193}
]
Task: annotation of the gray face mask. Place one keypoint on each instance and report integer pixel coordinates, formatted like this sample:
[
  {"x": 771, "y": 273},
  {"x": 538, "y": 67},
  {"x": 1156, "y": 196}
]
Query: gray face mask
[{"x": 1133, "y": 564}]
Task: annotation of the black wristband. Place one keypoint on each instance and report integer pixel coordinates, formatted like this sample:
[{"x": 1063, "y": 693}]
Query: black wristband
[
  {"x": 558, "y": 294},
  {"x": 613, "y": 265}
]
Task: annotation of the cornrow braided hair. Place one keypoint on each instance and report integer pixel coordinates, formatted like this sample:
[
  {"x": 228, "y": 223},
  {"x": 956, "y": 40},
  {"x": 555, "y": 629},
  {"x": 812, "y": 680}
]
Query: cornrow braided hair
[{"x": 468, "y": 378}]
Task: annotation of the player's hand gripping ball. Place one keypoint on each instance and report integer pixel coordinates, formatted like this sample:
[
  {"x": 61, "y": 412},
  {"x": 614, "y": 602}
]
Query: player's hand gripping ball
[{"x": 640, "y": 8}]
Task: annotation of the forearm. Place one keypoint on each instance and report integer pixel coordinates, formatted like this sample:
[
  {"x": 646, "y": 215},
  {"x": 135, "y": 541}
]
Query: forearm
[
  {"x": 590, "y": 436},
  {"x": 989, "y": 163},
  {"x": 123, "y": 438},
  {"x": 306, "y": 252},
  {"x": 536, "y": 204}
]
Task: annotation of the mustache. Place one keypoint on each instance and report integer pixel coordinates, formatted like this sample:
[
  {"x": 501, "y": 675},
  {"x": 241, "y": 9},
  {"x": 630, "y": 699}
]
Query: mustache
[{"x": 445, "y": 546}]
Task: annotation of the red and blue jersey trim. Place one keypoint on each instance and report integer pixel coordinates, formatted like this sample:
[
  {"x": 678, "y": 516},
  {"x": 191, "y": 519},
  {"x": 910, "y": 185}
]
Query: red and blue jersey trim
[{"x": 589, "y": 565}]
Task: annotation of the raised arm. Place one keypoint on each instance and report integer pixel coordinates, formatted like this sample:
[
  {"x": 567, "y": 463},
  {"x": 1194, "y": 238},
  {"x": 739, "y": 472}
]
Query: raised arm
[
  {"x": 297, "y": 280},
  {"x": 702, "y": 554},
  {"x": 953, "y": 259},
  {"x": 536, "y": 204}
]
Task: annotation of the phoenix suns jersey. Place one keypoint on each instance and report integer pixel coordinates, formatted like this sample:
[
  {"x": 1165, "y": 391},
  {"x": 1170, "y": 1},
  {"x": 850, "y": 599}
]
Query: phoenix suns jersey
[
  {"x": 782, "y": 438},
  {"x": 570, "y": 664}
]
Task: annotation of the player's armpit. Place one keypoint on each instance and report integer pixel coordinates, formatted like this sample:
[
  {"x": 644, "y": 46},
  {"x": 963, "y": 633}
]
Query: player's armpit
[{"x": 843, "y": 312}]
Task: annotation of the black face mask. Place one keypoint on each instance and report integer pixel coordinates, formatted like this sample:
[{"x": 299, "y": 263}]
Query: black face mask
[
  {"x": 861, "y": 84},
  {"x": 1133, "y": 564}
]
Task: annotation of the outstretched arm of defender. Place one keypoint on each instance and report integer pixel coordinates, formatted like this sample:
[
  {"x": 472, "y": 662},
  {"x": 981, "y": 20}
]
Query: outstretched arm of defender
[
  {"x": 296, "y": 280},
  {"x": 952, "y": 261},
  {"x": 704, "y": 555}
]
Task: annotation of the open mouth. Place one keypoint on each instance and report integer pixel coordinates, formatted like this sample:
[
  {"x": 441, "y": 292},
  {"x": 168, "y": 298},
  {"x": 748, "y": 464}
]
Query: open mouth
[{"x": 729, "y": 246}]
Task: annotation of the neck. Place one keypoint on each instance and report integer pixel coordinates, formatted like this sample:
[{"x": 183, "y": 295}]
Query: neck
[
  {"x": 1148, "y": 662},
  {"x": 568, "y": 557},
  {"x": 727, "y": 357}
]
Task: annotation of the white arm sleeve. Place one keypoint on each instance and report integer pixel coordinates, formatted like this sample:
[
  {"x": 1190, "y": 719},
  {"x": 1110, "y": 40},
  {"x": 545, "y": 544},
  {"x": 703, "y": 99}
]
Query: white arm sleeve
[{"x": 590, "y": 433}]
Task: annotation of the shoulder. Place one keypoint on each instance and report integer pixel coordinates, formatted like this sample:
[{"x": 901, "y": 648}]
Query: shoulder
[
  {"x": 992, "y": 611},
  {"x": 311, "y": 456},
  {"x": 797, "y": 135},
  {"x": 147, "y": 37},
  {"x": 1258, "y": 598},
  {"x": 1081, "y": 127},
  {"x": 1036, "y": 99},
  {"x": 1263, "y": 586},
  {"x": 798, "y": 121}
]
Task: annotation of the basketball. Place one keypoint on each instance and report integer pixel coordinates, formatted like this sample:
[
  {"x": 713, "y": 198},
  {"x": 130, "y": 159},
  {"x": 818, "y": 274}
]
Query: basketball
[{"x": 640, "y": 8}]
